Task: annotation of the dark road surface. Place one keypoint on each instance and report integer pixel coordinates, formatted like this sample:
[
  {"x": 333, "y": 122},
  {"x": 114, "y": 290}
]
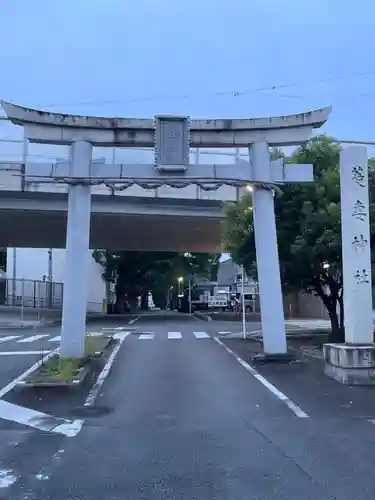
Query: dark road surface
[{"x": 181, "y": 419}]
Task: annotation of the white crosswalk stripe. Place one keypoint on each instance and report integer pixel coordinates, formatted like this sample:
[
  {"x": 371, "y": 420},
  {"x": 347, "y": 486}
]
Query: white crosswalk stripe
[
  {"x": 201, "y": 335},
  {"x": 9, "y": 337},
  {"x": 174, "y": 335},
  {"x": 143, "y": 335},
  {"x": 33, "y": 338},
  {"x": 55, "y": 339}
]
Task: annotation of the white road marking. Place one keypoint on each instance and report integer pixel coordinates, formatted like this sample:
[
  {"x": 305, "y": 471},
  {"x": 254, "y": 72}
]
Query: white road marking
[
  {"x": 146, "y": 336},
  {"x": 201, "y": 335},
  {"x": 174, "y": 335},
  {"x": 55, "y": 339},
  {"x": 32, "y": 418},
  {"x": 38, "y": 420},
  {"x": 33, "y": 338},
  {"x": 121, "y": 336},
  {"x": 9, "y": 387},
  {"x": 20, "y": 353},
  {"x": 134, "y": 320},
  {"x": 7, "y": 478},
  {"x": 105, "y": 372},
  {"x": 149, "y": 333},
  {"x": 9, "y": 337},
  {"x": 46, "y": 472},
  {"x": 274, "y": 390}
]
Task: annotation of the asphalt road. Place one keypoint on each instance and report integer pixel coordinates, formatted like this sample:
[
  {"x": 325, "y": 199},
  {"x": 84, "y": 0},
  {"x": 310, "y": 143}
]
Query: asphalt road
[{"x": 179, "y": 418}]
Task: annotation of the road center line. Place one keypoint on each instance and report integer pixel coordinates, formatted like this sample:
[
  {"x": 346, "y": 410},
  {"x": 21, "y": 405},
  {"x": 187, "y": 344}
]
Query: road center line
[{"x": 275, "y": 391}]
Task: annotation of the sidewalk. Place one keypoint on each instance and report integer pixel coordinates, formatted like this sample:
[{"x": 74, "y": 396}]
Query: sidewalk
[
  {"x": 309, "y": 324},
  {"x": 305, "y": 383},
  {"x": 7, "y": 322}
]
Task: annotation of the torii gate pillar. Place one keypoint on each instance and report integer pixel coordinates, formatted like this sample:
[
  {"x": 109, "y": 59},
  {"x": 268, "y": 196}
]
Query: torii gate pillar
[
  {"x": 77, "y": 263},
  {"x": 271, "y": 298}
]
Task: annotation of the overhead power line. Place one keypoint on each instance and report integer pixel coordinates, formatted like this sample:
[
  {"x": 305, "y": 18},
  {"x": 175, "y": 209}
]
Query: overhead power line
[{"x": 223, "y": 93}]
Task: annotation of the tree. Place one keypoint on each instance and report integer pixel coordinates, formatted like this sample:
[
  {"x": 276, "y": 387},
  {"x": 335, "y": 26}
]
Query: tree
[
  {"x": 137, "y": 273},
  {"x": 308, "y": 229}
]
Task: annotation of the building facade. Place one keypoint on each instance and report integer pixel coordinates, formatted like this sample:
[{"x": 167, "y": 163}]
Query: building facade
[{"x": 28, "y": 268}]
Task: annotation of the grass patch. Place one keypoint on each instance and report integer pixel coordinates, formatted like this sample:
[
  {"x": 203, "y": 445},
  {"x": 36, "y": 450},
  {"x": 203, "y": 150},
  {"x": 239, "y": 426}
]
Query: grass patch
[{"x": 60, "y": 370}]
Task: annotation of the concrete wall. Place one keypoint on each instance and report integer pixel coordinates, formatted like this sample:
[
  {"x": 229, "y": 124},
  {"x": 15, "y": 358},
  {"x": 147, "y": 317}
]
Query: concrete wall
[
  {"x": 32, "y": 264},
  {"x": 302, "y": 305}
]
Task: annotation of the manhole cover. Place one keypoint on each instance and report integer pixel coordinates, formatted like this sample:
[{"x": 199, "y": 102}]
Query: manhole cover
[{"x": 91, "y": 411}]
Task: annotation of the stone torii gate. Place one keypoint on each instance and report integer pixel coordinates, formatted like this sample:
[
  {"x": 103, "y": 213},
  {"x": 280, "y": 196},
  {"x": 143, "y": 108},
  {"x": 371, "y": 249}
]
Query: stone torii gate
[{"x": 171, "y": 138}]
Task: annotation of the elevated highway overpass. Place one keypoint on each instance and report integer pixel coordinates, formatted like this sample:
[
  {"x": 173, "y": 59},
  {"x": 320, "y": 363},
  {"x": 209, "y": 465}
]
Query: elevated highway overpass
[{"x": 39, "y": 220}]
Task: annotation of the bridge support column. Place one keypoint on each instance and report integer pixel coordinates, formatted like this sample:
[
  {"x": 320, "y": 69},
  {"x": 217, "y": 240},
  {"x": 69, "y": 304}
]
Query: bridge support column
[
  {"x": 77, "y": 255},
  {"x": 271, "y": 299}
]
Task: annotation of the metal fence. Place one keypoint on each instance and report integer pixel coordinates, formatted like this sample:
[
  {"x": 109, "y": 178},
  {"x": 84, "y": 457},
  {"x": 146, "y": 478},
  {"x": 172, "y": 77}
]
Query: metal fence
[{"x": 31, "y": 294}]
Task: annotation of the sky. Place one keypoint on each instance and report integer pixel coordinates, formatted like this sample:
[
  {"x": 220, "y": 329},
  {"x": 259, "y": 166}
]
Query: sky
[{"x": 202, "y": 58}]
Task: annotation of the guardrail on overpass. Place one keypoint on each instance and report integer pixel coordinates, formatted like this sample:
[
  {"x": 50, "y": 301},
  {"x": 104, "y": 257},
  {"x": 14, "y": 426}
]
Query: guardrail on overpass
[{"x": 16, "y": 153}]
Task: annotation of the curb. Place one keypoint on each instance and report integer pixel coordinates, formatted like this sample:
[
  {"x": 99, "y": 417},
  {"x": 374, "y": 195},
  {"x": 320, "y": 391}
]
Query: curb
[
  {"x": 202, "y": 316},
  {"x": 31, "y": 325},
  {"x": 84, "y": 371}
]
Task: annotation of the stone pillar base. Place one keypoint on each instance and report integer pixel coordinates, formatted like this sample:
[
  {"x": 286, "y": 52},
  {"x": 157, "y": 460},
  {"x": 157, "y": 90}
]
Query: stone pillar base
[{"x": 350, "y": 364}]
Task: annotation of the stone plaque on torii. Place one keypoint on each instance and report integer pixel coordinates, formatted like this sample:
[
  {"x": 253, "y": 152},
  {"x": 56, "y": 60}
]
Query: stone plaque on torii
[{"x": 171, "y": 138}]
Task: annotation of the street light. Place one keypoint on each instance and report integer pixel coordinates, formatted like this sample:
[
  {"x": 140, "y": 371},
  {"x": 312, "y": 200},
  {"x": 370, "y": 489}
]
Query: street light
[{"x": 180, "y": 280}]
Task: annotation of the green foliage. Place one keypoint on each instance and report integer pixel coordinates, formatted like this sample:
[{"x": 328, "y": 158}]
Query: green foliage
[
  {"x": 308, "y": 229},
  {"x": 137, "y": 273}
]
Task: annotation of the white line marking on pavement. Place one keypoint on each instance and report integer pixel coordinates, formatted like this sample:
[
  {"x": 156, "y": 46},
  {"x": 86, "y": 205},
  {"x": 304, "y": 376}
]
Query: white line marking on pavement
[
  {"x": 174, "y": 335},
  {"x": 55, "y": 339},
  {"x": 146, "y": 336},
  {"x": 38, "y": 420},
  {"x": 7, "y": 478},
  {"x": 27, "y": 372},
  {"x": 105, "y": 372},
  {"x": 134, "y": 320},
  {"x": 201, "y": 335},
  {"x": 46, "y": 472},
  {"x": 9, "y": 337},
  {"x": 33, "y": 338},
  {"x": 33, "y": 418},
  {"x": 275, "y": 391},
  {"x": 16, "y": 353}
]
